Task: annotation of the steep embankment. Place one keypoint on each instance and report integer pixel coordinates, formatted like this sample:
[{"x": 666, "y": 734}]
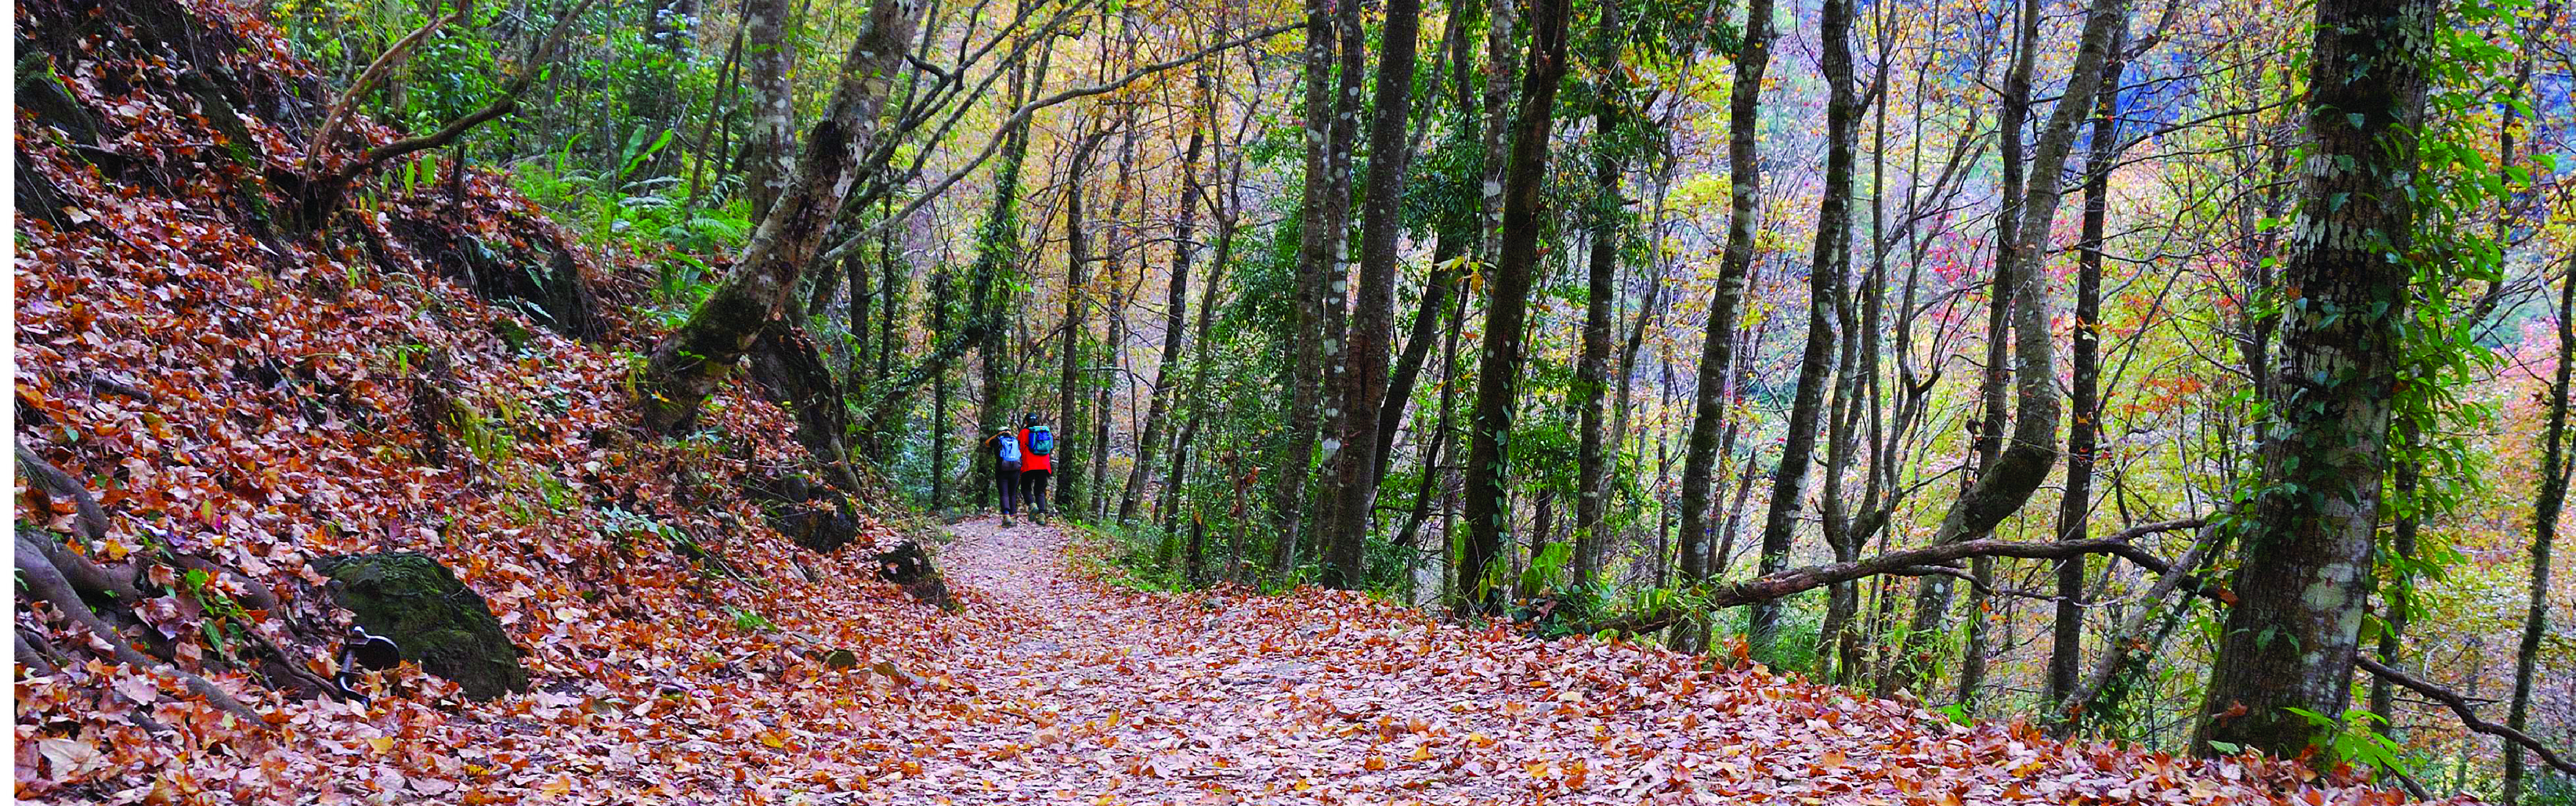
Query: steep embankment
[{"x": 213, "y": 399}]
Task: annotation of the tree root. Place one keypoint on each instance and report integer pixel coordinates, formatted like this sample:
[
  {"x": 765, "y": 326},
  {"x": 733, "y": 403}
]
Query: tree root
[{"x": 45, "y": 582}]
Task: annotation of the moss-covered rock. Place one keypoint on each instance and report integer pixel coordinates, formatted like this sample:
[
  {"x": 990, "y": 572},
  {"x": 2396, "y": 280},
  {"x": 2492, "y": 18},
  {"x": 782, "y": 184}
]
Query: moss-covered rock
[{"x": 438, "y": 622}]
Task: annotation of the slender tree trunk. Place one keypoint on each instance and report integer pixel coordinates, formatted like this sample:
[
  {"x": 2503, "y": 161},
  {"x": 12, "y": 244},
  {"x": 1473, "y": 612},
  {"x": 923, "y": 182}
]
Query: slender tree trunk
[
  {"x": 1833, "y": 261},
  {"x": 2066, "y": 646},
  {"x": 1167, "y": 506},
  {"x": 1601, "y": 291},
  {"x": 1352, "y": 43},
  {"x": 1843, "y": 629},
  {"x": 2405, "y": 477},
  {"x": 1998, "y": 372},
  {"x": 939, "y": 424},
  {"x": 1456, "y": 235},
  {"x": 1167, "y": 369},
  {"x": 687, "y": 366},
  {"x": 666, "y": 110},
  {"x": 1069, "y": 489},
  {"x": 1097, "y": 476},
  {"x": 1364, "y": 370},
  {"x": 2031, "y": 447},
  {"x": 1744, "y": 172},
  {"x": 1507, "y": 306},
  {"x": 997, "y": 257},
  {"x": 2304, "y": 573},
  {"x": 1720, "y": 560},
  {"x": 893, "y": 273},
  {"x": 1437, "y": 476},
  {"x": 1824, "y": 286},
  {"x": 705, "y": 145},
  {"x": 1314, "y": 262},
  {"x": 2546, "y": 506}
]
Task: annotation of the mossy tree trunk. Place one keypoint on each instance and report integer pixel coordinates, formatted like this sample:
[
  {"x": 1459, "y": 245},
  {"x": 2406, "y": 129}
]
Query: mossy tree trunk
[
  {"x": 688, "y": 365},
  {"x": 2304, "y": 576}
]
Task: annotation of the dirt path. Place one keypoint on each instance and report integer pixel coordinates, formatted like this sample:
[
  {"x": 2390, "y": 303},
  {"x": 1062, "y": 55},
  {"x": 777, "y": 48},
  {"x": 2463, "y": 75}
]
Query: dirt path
[{"x": 1083, "y": 693}]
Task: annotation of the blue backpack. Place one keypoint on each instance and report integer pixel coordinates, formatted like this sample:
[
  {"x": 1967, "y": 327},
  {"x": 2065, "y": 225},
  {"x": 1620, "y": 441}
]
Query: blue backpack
[
  {"x": 1041, "y": 440},
  {"x": 1010, "y": 448}
]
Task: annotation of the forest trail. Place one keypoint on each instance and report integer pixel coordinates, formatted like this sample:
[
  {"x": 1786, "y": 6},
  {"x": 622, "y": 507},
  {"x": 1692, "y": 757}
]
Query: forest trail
[{"x": 1076, "y": 691}]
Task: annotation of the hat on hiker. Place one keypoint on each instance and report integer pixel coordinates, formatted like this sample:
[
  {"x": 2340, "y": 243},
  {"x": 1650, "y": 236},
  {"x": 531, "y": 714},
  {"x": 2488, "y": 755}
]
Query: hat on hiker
[{"x": 1033, "y": 418}]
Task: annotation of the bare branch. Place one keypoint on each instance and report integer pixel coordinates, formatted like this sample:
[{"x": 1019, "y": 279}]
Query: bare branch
[
  {"x": 368, "y": 79},
  {"x": 1022, "y": 114},
  {"x": 1908, "y": 562},
  {"x": 2468, "y": 714}
]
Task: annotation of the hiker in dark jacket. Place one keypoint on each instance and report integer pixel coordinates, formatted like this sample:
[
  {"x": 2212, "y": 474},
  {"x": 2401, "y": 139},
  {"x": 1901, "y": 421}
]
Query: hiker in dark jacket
[
  {"x": 1005, "y": 450},
  {"x": 1037, "y": 462}
]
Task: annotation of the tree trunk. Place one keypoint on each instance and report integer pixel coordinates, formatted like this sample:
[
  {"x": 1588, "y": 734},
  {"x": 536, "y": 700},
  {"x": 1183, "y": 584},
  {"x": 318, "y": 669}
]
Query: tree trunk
[
  {"x": 2552, "y": 499},
  {"x": 1314, "y": 261},
  {"x": 1744, "y": 171},
  {"x": 892, "y": 274},
  {"x": 939, "y": 425},
  {"x": 997, "y": 256},
  {"x": 1352, "y": 41},
  {"x": 1097, "y": 474},
  {"x": 1068, "y": 387},
  {"x": 2305, "y": 570},
  {"x": 1457, "y": 233},
  {"x": 1601, "y": 290},
  {"x": 2405, "y": 477},
  {"x": 688, "y": 365},
  {"x": 1833, "y": 263},
  {"x": 1364, "y": 369},
  {"x": 706, "y": 144},
  {"x": 1997, "y": 375},
  {"x": 768, "y": 60},
  {"x": 1824, "y": 286},
  {"x": 2031, "y": 448},
  {"x": 1167, "y": 368},
  {"x": 2066, "y": 645},
  {"x": 1507, "y": 307}
]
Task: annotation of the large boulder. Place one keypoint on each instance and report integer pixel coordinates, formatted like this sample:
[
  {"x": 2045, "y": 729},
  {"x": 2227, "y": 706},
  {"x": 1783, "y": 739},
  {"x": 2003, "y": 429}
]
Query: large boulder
[{"x": 436, "y": 621}]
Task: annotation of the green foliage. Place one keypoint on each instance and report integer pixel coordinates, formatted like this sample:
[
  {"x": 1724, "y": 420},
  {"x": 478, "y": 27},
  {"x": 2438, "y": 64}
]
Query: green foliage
[
  {"x": 2355, "y": 741},
  {"x": 748, "y": 620}
]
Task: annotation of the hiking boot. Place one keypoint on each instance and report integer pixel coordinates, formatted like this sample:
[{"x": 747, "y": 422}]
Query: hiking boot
[{"x": 1006, "y": 522}]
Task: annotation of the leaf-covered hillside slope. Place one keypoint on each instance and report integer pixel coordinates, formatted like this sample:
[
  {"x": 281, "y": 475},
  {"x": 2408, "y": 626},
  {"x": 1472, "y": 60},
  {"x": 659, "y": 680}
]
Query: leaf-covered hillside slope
[{"x": 230, "y": 398}]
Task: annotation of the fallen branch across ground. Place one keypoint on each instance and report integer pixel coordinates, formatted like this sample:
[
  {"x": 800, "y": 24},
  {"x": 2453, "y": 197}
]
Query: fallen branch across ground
[
  {"x": 1909, "y": 562},
  {"x": 1937, "y": 559}
]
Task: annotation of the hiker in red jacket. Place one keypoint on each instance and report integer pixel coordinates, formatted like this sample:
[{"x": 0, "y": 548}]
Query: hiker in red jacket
[{"x": 1037, "y": 461}]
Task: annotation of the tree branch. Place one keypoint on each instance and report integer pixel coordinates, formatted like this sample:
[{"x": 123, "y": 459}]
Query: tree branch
[
  {"x": 2468, "y": 714},
  {"x": 508, "y": 100},
  {"x": 1025, "y": 110},
  {"x": 1908, "y": 562},
  {"x": 367, "y": 80}
]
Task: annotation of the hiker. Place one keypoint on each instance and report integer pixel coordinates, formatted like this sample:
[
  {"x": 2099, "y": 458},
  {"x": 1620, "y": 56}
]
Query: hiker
[
  {"x": 1006, "y": 469},
  {"x": 1037, "y": 449}
]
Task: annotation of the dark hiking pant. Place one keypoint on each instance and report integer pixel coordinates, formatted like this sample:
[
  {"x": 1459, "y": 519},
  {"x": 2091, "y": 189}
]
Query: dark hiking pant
[
  {"x": 1033, "y": 490},
  {"x": 1006, "y": 480}
]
